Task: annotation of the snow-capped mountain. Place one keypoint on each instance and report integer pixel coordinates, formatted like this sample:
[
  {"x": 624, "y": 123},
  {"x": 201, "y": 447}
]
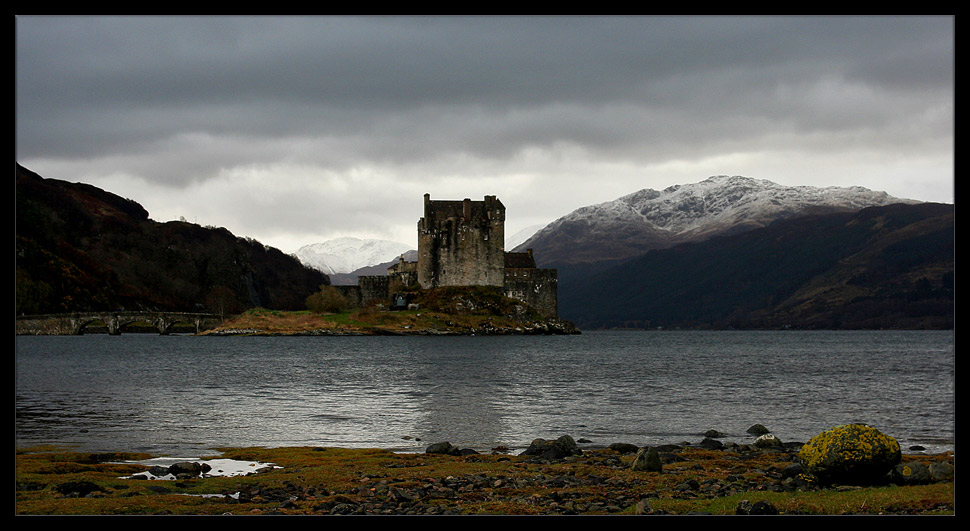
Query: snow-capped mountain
[
  {"x": 345, "y": 255},
  {"x": 651, "y": 219}
]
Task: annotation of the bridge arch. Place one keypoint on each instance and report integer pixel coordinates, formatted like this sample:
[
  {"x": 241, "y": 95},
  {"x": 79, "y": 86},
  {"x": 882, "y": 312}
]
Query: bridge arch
[{"x": 114, "y": 321}]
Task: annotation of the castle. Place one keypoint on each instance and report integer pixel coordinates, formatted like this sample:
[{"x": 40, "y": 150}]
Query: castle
[{"x": 462, "y": 243}]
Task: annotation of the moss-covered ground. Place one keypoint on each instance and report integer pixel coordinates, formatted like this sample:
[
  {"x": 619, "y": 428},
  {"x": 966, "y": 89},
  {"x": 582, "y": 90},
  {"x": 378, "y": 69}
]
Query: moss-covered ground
[{"x": 327, "y": 481}]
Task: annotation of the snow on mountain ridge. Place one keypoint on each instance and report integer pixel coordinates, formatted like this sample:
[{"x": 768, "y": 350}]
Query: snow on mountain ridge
[
  {"x": 723, "y": 199},
  {"x": 347, "y": 254},
  {"x": 650, "y": 219}
]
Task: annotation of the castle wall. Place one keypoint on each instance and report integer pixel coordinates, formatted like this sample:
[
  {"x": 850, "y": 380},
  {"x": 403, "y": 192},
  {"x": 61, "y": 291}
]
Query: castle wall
[
  {"x": 371, "y": 289},
  {"x": 374, "y": 289},
  {"x": 536, "y": 287}
]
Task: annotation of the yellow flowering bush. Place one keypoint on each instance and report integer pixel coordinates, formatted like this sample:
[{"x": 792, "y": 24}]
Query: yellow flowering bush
[{"x": 852, "y": 453}]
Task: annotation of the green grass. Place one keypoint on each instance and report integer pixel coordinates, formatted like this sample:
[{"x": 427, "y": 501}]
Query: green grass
[{"x": 917, "y": 499}]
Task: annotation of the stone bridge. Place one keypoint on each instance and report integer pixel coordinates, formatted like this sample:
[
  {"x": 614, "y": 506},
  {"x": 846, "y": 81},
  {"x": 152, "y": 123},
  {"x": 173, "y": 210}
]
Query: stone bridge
[{"x": 75, "y": 323}]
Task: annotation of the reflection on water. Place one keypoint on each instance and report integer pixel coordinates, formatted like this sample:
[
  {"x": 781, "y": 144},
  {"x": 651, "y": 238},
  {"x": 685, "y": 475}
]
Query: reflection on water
[{"x": 185, "y": 393}]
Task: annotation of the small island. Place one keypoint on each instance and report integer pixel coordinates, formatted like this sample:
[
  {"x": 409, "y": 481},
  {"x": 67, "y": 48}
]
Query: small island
[{"x": 434, "y": 312}]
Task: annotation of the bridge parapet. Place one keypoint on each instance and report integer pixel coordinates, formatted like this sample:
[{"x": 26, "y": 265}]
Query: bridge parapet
[{"x": 74, "y": 324}]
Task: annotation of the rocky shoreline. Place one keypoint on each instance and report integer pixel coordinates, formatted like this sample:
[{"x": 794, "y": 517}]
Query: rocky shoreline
[
  {"x": 550, "y": 489},
  {"x": 558, "y": 477}
]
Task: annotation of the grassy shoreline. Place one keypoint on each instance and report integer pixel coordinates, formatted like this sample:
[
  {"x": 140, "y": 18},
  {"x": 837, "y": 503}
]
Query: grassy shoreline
[
  {"x": 328, "y": 481},
  {"x": 375, "y": 322}
]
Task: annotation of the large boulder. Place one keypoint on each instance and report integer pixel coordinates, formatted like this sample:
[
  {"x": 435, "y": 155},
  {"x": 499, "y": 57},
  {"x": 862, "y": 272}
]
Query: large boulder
[
  {"x": 562, "y": 447},
  {"x": 850, "y": 454}
]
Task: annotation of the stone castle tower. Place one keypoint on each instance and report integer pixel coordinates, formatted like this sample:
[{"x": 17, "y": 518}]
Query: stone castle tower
[{"x": 461, "y": 243}]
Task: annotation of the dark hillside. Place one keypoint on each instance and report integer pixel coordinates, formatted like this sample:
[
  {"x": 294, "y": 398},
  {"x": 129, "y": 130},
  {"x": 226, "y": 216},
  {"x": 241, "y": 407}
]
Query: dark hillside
[
  {"x": 80, "y": 248},
  {"x": 882, "y": 267}
]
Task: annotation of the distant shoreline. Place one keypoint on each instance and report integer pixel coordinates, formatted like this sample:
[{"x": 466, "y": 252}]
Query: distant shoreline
[{"x": 384, "y": 323}]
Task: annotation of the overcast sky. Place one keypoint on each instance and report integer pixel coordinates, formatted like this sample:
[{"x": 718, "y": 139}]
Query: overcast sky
[{"x": 295, "y": 130}]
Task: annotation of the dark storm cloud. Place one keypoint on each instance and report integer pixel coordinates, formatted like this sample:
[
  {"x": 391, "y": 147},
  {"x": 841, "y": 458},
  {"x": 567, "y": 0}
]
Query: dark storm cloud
[
  {"x": 146, "y": 77},
  {"x": 183, "y": 100}
]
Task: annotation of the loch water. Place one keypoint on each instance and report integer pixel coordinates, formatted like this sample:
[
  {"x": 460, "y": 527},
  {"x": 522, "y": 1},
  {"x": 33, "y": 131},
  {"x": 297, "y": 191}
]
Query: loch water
[{"x": 185, "y": 395}]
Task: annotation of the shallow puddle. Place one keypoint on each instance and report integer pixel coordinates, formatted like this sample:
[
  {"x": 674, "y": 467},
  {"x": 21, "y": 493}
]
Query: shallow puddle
[{"x": 217, "y": 467}]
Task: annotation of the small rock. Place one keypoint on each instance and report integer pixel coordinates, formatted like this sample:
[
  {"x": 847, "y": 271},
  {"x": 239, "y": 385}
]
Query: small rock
[
  {"x": 711, "y": 444},
  {"x": 188, "y": 468},
  {"x": 689, "y": 484},
  {"x": 671, "y": 447},
  {"x": 443, "y": 448},
  {"x": 647, "y": 460},
  {"x": 78, "y": 489},
  {"x": 562, "y": 447},
  {"x": 914, "y": 473},
  {"x": 768, "y": 441},
  {"x": 158, "y": 471},
  {"x": 758, "y": 429},
  {"x": 941, "y": 471},
  {"x": 745, "y": 507},
  {"x": 793, "y": 470},
  {"x": 624, "y": 448},
  {"x": 763, "y": 507}
]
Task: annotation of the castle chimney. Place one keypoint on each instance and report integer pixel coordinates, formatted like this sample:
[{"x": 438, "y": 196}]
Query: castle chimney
[{"x": 466, "y": 209}]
